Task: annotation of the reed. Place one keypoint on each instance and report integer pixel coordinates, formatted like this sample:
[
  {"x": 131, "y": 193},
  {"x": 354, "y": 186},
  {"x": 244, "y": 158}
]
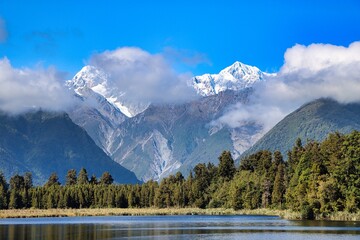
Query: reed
[
  {"x": 27, "y": 213},
  {"x": 286, "y": 214}
]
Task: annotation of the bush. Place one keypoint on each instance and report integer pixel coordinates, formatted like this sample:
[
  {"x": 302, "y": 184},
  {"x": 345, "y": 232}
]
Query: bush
[{"x": 307, "y": 212}]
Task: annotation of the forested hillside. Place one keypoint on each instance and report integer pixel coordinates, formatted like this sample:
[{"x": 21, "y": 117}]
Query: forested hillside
[
  {"x": 314, "y": 120},
  {"x": 317, "y": 179}
]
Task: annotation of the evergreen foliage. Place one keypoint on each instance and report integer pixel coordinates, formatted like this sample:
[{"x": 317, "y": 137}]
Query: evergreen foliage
[
  {"x": 82, "y": 177},
  {"x": 226, "y": 166},
  {"x": 71, "y": 178},
  {"x": 317, "y": 179}
]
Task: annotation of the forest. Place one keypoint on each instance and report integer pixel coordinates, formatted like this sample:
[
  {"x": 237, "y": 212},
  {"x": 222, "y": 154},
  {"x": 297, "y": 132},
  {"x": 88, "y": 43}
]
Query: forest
[{"x": 315, "y": 179}]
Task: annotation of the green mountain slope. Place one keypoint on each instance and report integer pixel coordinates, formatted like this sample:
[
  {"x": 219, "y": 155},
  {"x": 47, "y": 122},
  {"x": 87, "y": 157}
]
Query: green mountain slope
[
  {"x": 312, "y": 121},
  {"x": 43, "y": 143}
]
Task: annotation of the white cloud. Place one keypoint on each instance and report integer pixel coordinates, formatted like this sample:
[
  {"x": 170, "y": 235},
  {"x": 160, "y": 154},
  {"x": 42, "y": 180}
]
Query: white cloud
[
  {"x": 143, "y": 76},
  {"x": 3, "y": 32},
  {"x": 309, "y": 72},
  {"x": 317, "y": 57},
  {"x": 26, "y": 89}
]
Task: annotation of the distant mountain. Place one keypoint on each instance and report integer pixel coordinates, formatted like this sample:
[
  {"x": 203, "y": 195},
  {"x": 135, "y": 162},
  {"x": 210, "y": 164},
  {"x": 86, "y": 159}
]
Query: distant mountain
[
  {"x": 43, "y": 143},
  {"x": 235, "y": 77},
  {"x": 97, "y": 116},
  {"x": 165, "y": 139},
  {"x": 313, "y": 121},
  {"x": 156, "y": 140},
  {"x": 95, "y": 79}
]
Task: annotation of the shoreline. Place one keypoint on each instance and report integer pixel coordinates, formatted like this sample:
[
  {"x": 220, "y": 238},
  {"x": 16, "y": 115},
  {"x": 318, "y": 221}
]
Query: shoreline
[{"x": 286, "y": 214}]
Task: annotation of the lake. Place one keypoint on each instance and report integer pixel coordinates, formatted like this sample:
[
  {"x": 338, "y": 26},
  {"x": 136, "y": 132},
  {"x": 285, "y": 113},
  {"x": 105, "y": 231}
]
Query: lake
[{"x": 175, "y": 227}]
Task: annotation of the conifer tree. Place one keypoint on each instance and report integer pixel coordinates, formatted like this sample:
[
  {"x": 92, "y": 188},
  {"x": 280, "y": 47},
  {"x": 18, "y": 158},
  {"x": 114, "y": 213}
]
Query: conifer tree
[
  {"x": 279, "y": 187},
  {"x": 28, "y": 182},
  {"x": 3, "y": 191},
  {"x": 226, "y": 166},
  {"x": 82, "y": 177},
  {"x": 53, "y": 180},
  {"x": 71, "y": 178},
  {"x": 93, "y": 180},
  {"x": 16, "y": 187},
  {"x": 106, "y": 179}
]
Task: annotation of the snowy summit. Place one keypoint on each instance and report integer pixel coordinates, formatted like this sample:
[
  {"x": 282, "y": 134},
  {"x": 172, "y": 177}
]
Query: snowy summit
[
  {"x": 90, "y": 77},
  {"x": 235, "y": 77}
]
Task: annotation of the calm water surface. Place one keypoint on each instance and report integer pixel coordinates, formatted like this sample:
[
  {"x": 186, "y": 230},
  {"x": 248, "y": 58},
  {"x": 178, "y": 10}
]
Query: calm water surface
[{"x": 175, "y": 227}]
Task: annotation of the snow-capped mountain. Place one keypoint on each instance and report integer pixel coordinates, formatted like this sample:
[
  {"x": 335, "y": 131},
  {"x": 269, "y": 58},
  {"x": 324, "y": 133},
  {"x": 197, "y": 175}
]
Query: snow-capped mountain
[
  {"x": 100, "y": 82},
  {"x": 154, "y": 141},
  {"x": 235, "y": 77}
]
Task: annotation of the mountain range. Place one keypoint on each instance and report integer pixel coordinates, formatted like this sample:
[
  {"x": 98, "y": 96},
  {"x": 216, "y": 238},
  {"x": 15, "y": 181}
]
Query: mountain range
[
  {"x": 154, "y": 141},
  {"x": 139, "y": 140}
]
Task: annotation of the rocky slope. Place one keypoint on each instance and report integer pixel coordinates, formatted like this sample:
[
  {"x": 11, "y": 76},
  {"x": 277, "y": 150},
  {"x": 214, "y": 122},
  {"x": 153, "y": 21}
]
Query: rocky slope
[
  {"x": 165, "y": 139},
  {"x": 43, "y": 143}
]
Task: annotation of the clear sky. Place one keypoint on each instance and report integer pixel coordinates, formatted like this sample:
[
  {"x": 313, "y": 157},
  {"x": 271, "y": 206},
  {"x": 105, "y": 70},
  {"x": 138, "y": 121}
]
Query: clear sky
[{"x": 200, "y": 36}]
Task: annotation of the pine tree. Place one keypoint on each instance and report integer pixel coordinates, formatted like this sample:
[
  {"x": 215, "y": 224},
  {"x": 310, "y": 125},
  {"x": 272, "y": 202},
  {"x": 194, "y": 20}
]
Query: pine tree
[
  {"x": 3, "y": 191},
  {"x": 106, "y": 179},
  {"x": 16, "y": 187},
  {"x": 226, "y": 166},
  {"x": 279, "y": 187},
  {"x": 71, "y": 178},
  {"x": 52, "y": 181},
  {"x": 28, "y": 182},
  {"x": 93, "y": 180},
  {"x": 82, "y": 177}
]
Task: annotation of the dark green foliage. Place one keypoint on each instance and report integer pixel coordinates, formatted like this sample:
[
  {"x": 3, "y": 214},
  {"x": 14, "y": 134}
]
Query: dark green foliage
[
  {"x": 82, "y": 177},
  {"x": 307, "y": 212},
  {"x": 16, "y": 187},
  {"x": 226, "y": 166},
  {"x": 3, "y": 191},
  {"x": 279, "y": 187},
  {"x": 71, "y": 178},
  {"x": 93, "y": 180},
  {"x": 320, "y": 178},
  {"x": 53, "y": 180},
  {"x": 106, "y": 179}
]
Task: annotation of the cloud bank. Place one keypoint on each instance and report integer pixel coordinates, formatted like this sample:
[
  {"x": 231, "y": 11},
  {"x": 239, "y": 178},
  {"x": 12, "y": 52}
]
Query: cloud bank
[
  {"x": 27, "y": 89},
  {"x": 309, "y": 72},
  {"x": 144, "y": 77},
  {"x": 3, "y": 32}
]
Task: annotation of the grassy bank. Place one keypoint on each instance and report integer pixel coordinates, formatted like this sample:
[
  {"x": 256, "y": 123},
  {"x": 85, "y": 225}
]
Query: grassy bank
[
  {"x": 27, "y": 213},
  {"x": 30, "y": 213}
]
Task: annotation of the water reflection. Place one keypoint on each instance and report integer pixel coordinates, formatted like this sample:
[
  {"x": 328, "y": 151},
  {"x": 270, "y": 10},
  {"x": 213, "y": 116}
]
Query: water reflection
[{"x": 175, "y": 227}]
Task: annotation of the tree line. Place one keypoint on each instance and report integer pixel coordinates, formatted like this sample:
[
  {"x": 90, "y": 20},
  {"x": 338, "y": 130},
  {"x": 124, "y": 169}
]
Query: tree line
[{"x": 317, "y": 178}]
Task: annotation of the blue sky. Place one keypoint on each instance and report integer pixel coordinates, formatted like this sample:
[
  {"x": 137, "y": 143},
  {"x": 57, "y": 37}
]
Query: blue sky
[{"x": 198, "y": 36}]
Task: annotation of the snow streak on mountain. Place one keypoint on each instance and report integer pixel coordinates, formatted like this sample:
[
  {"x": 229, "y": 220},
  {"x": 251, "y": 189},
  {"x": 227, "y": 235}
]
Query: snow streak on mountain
[{"x": 155, "y": 140}]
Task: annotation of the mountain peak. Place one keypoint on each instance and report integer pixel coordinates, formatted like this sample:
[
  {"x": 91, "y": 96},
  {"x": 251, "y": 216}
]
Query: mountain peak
[
  {"x": 96, "y": 80},
  {"x": 88, "y": 76},
  {"x": 235, "y": 77}
]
